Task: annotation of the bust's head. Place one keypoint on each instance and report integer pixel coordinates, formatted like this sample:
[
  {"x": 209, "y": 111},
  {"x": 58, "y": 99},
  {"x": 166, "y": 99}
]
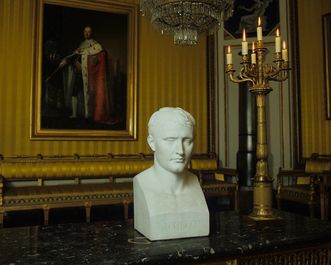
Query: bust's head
[{"x": 171, "y": 137}]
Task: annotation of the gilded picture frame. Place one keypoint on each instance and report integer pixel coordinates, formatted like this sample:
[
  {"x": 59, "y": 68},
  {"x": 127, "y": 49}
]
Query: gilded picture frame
[
  {"x": 326, "y": 21},
  {"x": 85, "y": 71}
]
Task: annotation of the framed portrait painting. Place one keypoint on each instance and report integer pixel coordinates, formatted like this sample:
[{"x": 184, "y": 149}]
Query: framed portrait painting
[
  {"x": 326, "y": 19},
  {"x": 85, "y": 70},
  {"x": 245, "y": 16}
]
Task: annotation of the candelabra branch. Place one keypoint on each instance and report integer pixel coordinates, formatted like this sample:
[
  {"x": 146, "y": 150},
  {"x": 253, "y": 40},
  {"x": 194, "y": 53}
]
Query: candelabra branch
[
  {"x": 280, "y": 71},
  {"x": 242, "y": 78},
  {"x": 280, "y": 76}
]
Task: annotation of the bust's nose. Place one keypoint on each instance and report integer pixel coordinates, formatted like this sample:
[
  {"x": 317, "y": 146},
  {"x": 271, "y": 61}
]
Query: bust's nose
[{"x": 179, "y": 147}]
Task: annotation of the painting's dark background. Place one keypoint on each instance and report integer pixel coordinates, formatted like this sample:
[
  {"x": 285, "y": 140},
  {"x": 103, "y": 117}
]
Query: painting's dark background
[
  {"x": 63, "y": 31},
  {"x": 268, "y": 10}
]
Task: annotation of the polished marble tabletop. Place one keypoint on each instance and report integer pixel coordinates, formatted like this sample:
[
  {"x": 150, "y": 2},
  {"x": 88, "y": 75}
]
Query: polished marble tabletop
[{"x": 118, "y": 243}]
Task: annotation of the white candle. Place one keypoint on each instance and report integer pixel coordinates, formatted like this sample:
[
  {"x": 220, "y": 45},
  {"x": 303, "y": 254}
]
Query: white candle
[
  {"x": 253, "y": 54},
  {"x": 284, "y": 52},
  {"x": 277, "y": 41},
  {"x": 244, "y": 44},
  {"x": 229, "y": 56},
  {"x": 259, "y": 29}
]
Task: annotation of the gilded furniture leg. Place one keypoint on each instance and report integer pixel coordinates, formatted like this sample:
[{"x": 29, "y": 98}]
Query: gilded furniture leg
[
  {"x": 46, "y": 215},
  {"x": 88, "y": 213},
  {"x": 126, "y": 209},
  {"x": 323, "y": 203},
  {"x": 1, "y": 218}
]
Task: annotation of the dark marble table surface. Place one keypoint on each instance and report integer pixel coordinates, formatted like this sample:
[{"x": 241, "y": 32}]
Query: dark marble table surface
[{"x": 118, "y": 243}]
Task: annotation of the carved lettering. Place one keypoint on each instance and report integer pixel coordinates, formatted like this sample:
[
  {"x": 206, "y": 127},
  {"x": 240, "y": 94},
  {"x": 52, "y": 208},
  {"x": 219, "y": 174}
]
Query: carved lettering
[{"x": 179, "y": 226}]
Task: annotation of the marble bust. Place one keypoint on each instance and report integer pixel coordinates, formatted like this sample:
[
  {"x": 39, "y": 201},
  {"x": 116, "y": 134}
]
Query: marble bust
[{"x": 168, "y": 199}]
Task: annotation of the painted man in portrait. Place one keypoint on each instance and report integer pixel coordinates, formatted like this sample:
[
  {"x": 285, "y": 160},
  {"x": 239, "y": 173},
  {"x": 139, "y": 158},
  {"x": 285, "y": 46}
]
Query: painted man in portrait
[{"x": 87, "y": 86}]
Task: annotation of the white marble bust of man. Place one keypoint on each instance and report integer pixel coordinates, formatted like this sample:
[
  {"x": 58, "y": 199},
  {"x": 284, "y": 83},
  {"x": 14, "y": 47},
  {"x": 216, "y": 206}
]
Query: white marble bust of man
[{"x": 168, "y": 199}]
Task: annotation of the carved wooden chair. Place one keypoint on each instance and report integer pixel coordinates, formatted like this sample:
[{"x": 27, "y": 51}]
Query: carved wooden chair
[
  {"x": 216, "y": 181},
  {"x": 304, "y": 185}
]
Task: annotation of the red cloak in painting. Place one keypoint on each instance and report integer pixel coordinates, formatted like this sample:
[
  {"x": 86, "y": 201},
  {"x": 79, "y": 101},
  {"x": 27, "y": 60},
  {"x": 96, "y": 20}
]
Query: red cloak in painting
[{"x": 98, "y": 89}]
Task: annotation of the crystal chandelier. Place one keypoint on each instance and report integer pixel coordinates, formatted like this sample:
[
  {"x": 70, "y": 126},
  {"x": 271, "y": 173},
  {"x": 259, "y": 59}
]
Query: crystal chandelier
[{"x": 186, "y": 19}]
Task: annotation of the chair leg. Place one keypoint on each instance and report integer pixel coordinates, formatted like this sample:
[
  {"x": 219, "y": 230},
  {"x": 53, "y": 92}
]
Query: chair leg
[
  {"x": 46, "y": 215},
  {"x": 278, "y": 204},
  {"x": 326, "y": 207},
  {"x": 2, "y": 213},
  {"x": 88, "y": 213},
  {"x": 126, "y": 210},
  {"x": 236, "y": 200},
  {"x": 324, "y": 202},
  {"x": 323, "y": 206},
  {"x": 311, "y": 210}
]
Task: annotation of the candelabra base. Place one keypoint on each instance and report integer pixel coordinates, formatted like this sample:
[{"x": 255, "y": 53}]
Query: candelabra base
[{"x": 271, "y": 219}]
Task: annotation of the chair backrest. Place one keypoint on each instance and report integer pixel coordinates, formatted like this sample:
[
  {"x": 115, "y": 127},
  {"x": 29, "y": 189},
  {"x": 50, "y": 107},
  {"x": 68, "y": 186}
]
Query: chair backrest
[
  {"x": 317, "y": 165},
  {"x": 204, "y": 164}
]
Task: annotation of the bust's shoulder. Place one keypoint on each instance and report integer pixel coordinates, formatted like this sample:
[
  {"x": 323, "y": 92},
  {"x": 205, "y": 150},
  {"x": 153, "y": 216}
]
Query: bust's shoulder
[
  {"x": 191, "y": 174},
  {"x": 144, "y": 175},
  {"x": 192, "y": 179}
]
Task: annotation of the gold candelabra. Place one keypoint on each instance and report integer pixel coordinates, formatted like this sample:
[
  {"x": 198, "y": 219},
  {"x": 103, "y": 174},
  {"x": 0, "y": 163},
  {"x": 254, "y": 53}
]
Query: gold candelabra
[{"x": 258, "y": 73}]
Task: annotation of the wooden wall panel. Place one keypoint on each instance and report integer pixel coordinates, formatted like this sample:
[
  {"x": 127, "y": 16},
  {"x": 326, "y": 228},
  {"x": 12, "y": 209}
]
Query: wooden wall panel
[
  {"x": 316, "y": 130},
  {"x": 168, "y": 75}
]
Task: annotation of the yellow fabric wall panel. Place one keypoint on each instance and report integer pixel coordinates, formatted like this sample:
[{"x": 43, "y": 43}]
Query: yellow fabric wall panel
[
  {"x": 168, "y": 75},
  {"x": 316, "y": 130}
]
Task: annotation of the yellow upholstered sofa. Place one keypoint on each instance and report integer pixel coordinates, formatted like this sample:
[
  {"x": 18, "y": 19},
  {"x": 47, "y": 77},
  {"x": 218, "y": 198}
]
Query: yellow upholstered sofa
[
  {"x": 45, "y": 183},
  {"x": 56, "y": 182}
]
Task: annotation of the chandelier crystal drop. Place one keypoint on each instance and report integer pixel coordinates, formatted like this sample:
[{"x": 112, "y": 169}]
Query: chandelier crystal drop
[{"x": 186, "y": 19}]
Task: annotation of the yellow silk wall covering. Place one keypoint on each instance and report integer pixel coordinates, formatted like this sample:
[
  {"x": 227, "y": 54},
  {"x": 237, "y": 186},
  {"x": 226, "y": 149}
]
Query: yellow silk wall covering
[
  {"x": 168, "y": 75},
  {"x": 316, "y": 130}
]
